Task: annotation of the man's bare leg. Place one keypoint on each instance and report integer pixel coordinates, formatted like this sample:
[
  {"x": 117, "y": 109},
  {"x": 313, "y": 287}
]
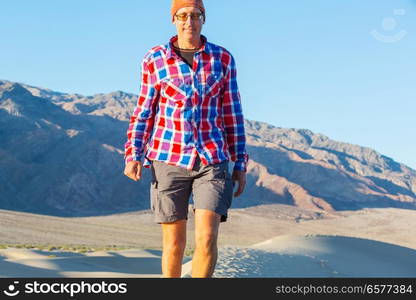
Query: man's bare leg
[
  {"x": 174, "y": 242},
  {"x": 206, "y": 232}
]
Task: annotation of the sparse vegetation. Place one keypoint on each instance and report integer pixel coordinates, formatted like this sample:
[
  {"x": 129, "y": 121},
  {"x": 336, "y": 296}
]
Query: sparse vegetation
[
  {"x": 70, "y": 248},
  {"x": 189, "y": 251}
]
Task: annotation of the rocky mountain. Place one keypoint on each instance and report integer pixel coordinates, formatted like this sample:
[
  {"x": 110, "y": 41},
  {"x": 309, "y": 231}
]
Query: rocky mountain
[{"x": 62, "y": 154}]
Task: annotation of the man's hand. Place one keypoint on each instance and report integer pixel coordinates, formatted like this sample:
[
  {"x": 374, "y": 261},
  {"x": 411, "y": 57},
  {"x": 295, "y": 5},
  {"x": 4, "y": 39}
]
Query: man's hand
[
  {"x": 239, "y": 176},
  {"x": 133, "y": 170}
]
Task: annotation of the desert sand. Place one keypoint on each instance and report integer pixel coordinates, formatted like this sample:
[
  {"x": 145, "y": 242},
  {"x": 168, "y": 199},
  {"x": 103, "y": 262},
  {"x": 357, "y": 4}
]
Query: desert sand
[
  {"x": 35, "y": 263},
  {"x": 273, "y": 241}
]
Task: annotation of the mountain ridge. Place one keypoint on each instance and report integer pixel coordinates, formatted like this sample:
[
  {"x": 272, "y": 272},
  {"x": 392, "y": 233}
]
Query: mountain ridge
[{"x": 47, "y": 134}]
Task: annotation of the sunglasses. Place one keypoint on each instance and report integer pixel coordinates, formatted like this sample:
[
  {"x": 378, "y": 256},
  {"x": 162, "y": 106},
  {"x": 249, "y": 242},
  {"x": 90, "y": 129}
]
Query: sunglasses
[{"x": 194, "y": 17}]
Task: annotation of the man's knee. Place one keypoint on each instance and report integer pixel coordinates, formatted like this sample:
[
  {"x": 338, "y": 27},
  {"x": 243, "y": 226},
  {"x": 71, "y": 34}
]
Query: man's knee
[
  {"x": 175, "y": 246},
  {"x": 174, "y": 236},
  {"x": 206, "y": 241}
]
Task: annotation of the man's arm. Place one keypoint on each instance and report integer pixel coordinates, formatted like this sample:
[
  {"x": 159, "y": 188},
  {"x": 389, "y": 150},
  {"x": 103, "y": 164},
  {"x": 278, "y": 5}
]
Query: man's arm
[
  {"x": 233, "y": 119},
  {"x": 142, "y": 120}
]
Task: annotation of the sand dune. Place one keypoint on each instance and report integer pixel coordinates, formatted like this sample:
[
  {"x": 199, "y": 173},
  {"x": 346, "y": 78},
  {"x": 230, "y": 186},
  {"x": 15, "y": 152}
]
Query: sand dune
[
  {"x": 35, "y": 263},
  {"x": 282, "y": 256},
  {"x": 266, "y": 241},
  {"x": 317, "y": 256},
  {"x": 245, "y": 227}
]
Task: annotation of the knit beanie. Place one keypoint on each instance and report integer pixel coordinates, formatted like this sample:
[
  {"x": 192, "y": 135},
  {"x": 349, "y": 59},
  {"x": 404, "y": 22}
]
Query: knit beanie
[{"x": 178, "y": 4}]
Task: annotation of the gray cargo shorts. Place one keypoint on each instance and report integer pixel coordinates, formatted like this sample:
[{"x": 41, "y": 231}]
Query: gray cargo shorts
[{"x": 211, "y": 188}]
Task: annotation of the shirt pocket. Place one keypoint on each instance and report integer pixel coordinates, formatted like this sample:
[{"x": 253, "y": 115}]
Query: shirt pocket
[
  {"x": 176, "y": 91},
  {"x": 211, "y": 83}
]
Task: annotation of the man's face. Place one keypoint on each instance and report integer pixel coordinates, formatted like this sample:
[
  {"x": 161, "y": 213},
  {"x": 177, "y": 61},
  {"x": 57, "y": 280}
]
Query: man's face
[{"x": 188, "y": 28}]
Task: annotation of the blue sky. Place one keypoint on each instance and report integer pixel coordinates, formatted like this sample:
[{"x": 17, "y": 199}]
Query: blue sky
[{"x": 345, "y": 69}]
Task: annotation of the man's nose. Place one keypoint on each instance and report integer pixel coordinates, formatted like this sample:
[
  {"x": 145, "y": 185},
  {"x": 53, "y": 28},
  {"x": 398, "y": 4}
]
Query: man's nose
[{"x": 188, "y": 20}]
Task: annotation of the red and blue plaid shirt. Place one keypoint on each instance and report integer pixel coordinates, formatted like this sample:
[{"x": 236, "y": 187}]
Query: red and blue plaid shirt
[{"x": 183, "y": 112}]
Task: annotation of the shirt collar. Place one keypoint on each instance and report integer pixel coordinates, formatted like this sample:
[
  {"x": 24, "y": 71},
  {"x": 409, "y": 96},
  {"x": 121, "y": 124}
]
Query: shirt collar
[{"x": 170, "y": 51}]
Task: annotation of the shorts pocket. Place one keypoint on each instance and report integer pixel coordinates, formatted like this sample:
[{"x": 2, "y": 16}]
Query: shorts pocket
[
  {"x": 219, "y": 172},
  {"x": 221, "y": 178},
  {"x": 153, "y": 195},
  {"x": 166, "y": 203},
  {"x": 229, "y": 191}
]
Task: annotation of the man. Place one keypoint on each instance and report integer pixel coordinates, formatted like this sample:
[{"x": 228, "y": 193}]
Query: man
[{"x": 188, "y": 124}]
